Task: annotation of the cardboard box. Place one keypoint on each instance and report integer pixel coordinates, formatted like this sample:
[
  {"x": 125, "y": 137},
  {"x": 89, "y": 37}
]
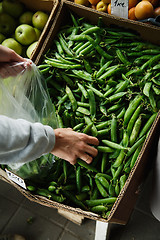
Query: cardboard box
[
  {"x": 145, "y": 31},
  {"x": 50, "y": 7},
  {"x": 126, "y": 200},
  {"x": 119, "y": 11}
]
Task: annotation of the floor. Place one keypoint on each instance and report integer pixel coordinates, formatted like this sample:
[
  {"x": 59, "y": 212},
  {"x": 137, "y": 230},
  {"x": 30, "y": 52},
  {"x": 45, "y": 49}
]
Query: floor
[{"x": 36, "y": 222}]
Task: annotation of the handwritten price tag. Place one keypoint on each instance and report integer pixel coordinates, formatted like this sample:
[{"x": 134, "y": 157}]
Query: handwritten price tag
[
  {"x": 119, "y": 8},
  {"x": 16, "y": 179}
]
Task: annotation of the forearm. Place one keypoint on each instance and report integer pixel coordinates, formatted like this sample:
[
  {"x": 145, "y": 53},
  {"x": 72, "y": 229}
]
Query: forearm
[{"x": 22, "y": 141}]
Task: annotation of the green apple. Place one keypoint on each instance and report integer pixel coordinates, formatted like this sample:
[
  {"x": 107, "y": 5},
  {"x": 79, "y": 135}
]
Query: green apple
[
  {"x": 26, "y": 18},
  {"x": 25, "y": 34},
  {"x": 13, "y": 7},
  {"x": 38, "y": 33},
  {"x": 7, "y": 24},
  {"x": 13, "y": 44},
  {"x": 39, "y": 19},
  {"x": 2, "y": 38},
  {"x": 30, "y": 49}
]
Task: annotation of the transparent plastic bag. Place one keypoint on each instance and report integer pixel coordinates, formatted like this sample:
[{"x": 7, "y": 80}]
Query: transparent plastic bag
[{"x": 25, "y": 96}]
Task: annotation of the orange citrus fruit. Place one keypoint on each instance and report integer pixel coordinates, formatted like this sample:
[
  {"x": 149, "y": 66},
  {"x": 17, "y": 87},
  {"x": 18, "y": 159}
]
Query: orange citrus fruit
[
  {"x": 144, "y": 9},
  {"x": 157, "y": 11},
  {"x": 132, "y": 3},
  {"x": 153, "y": 2},
  {"x": 94, "y": 2},
  {"x": 131, "y": 14},
  {"x": 109, "y": 8}
]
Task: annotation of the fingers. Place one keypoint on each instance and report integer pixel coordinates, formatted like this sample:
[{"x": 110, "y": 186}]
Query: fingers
[
  {"x": 27, "y": 63},
  {"x": 92, "y": 140},
  {"x": 87, "y": 158},
  {"x": 10, "y": 69},
  {"x": 89, "y": 139},
  {"x": 91, "y": 150}
]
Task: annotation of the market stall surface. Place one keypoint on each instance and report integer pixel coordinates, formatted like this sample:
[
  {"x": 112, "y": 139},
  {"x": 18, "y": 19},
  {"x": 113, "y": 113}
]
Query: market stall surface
[{"x": 36, "y": 222}]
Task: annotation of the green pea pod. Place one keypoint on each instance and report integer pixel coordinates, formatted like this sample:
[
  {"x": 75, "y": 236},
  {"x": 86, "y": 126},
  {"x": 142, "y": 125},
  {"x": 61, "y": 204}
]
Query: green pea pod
[
  {"x": 111, "y": 190},
  {"x": 122, "y": 181},
  {"x": 103, "y": 132},
  {"x": 137, "y": 144},
  {"x": 131, "y": 108},
  {"x": 133, "y": 119},
  {"x": 150, "y": 62},
  {"x": 88, "y": 128},
  {"x": 122, "y": 57},
  {"x": 83, "y": 110},
  {"x": 104, "y": 182},
  {"x": 114, "y": 145},
  {"x": 99, "y": 209},
  {"x": 78, "y": 127},
  {"x": 94, "y": 194},
  {"x": 93, "y": 129},
  {"x": 115, "y": 97},
  {"x": 67, "y": 79},
  {"x": 51, "y": 188},
  {"x": 103, "y": 68},
  {"x": 73, "y": 199},
  {"x": 31, "y": 188},
  {"x": 58, "y": 64},
  {"x": 92, "y": 103},
  {"x": 153, "y": 101},
  {"x": 103, "y": 125},
  {"x": 104, "y": 162},
  {"x": 114, "y": 129},
  {"x": 64, "y": 45},
  {"x": 147, "y": 88},
  {"x": 156, "y": 90},
  {"x": 62, "y": 100},
  {"x": 101, "y": 189},
  {"x": 87, "y": 166},
  {"x": 147, "y": 125},
  {"x": 105, "y": 149},
  {"x": 85, "y": 188},
  {"x": 121, "y": 114},
  {"x": 83, "y": 90},
  {"x": 97, "y": 92},
  {"x": 71, "y": 98},
  {"x": 108, "y": 92},
  {"x": 108, "y": 177},
  {"x": 117, "y": 189},
  {"x": 109, "y": 200},
  {"x": 135, "y": 156},
  {"x": 78, "y": 179},
  {"x": 110, "y": 72},
  {"x": 99, "y": 49},
  {"x": 83, "y": 75},
  {"x": 118, "y": 171},
  {"x": 119, "y": 159},
  {"x": 135, "y": 131},
  {"x": 65, "y": 170}
]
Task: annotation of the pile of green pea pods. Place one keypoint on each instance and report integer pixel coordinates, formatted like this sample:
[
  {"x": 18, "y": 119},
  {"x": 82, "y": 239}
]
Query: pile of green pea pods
[{"x": 104, "y": 82}]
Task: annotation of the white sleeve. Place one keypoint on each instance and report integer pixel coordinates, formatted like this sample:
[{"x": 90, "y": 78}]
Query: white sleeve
[{"x": 22, "y": 141}]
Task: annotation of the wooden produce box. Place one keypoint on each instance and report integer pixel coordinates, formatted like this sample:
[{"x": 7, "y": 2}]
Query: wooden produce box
[{"x": 49, "y": 7}]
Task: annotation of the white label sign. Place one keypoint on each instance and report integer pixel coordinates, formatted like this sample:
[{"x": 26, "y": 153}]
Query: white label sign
[
  {"x": 16, "y": 179},
  {"x": 119, "y": 8}
]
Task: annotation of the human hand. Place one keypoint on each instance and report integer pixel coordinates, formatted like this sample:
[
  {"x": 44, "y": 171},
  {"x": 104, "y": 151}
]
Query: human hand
[
  {"x": 11, "y": 63},
  {"x": 70, "y": 145}
]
